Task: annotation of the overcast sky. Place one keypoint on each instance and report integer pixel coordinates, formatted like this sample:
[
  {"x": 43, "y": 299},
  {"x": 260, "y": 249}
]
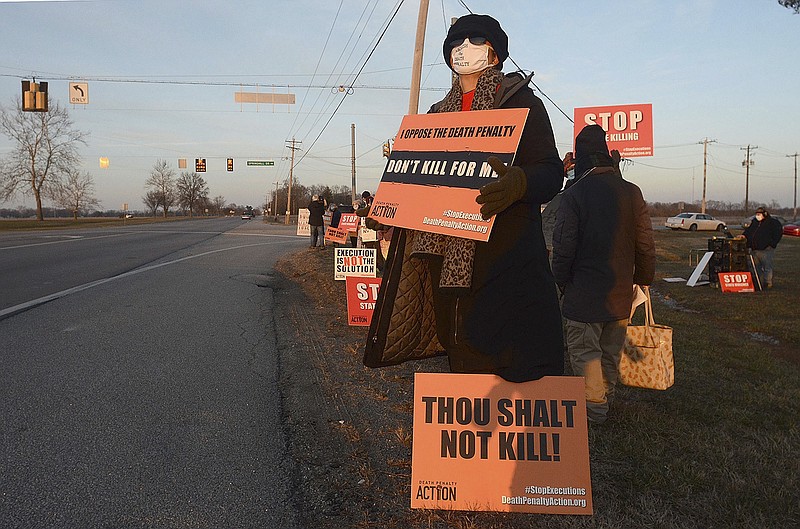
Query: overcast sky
[{"x": 162, "y": 78}]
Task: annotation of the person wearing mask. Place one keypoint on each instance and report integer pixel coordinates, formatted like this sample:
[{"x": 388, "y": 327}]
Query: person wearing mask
[
  {"x": 490, "y": 306},
  {"x": 763, "y": 236},
  {"x": 602, "y": 245},
  {"x": 316, "y": 221}
]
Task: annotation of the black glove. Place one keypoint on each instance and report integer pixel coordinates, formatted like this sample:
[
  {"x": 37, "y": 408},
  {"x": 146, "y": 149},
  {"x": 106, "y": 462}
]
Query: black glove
[
  {"x": 373, "y": 224},
  {"x": 507, "y": 189}
]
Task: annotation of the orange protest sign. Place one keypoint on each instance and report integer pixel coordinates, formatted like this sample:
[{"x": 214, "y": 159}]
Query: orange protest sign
[
  {"x": 348, "y": 222},
  {"x": 362, "y": 293},
  {"x": 484, "y": 444},
  {"x": 336, "y": 235},
  {"x": 438, "y": 165},
  {"x": 736, "y": 282},
  {"x": 629, "y": 128}
]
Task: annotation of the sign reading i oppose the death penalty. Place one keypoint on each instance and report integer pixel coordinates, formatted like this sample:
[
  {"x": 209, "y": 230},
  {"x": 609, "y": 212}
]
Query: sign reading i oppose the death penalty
[
  {"x": 629, "y": 128},
  {"x": 482, "y": 443},
  {"x": 437, "y": 166}
]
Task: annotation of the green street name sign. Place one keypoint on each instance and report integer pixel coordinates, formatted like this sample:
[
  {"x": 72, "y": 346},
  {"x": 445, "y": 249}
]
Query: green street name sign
[{"x": 260, "y": 163}]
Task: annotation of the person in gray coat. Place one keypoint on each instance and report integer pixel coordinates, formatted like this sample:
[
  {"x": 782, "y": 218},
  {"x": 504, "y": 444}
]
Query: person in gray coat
[{"x": 602, "y": 245}]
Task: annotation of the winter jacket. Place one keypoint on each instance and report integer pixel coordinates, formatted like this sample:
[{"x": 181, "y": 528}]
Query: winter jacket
[
  {"x": 602, "y": 245},
  {"x": 508, "y": 322},
  {"x": 764, "y": 234},
  {"x": 335, "y": 217},
  {"x": 316, "y": 211}
]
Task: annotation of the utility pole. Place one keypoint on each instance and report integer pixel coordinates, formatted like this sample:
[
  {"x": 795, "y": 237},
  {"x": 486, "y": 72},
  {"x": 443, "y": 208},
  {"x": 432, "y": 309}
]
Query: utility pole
[
  {"x": 275, "y": 201},
  {"x": 795, "y": 183},
  {"x": 353, "y": 158},
  {"x": 291, "y": 170},
  {"x": 747, "y": 163},
  {"x": 419, "y": 47},
  {"x": 705, "y": 143}
]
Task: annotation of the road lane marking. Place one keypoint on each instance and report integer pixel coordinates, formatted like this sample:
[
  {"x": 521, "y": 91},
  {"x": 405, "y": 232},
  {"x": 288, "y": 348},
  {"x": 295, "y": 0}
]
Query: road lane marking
[
  {"x": 77, "y": 238},
  {"x": 86, "y": 286}
]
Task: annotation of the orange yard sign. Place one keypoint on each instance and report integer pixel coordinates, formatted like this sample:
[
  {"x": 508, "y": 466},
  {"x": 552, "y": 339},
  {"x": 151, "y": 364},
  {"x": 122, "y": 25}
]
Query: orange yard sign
[
  {"x": 335, "y": 235},
  {"x": 362, "y": 293},
  {"x": 629, "y": 128},
  {"x": 348, "y": 222},
  {"x": 484, "y": 444},
  {"x": 438, "y": 165},
  {"x": 736, "y": 282}
]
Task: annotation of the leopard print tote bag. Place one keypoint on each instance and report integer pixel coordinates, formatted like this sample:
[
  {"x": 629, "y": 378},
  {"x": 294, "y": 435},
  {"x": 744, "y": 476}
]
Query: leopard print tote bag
[{"x": 647, "y": 361}]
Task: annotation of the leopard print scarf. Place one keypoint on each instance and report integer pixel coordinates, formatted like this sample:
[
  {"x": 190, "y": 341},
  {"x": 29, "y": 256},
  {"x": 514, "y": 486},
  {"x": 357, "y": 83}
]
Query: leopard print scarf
[{"x": 458, "y": 253}]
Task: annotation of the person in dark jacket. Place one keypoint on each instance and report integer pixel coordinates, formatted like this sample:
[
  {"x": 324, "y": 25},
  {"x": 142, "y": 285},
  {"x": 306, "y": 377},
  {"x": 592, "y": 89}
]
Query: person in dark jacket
[
  {"x": 492, "y": 307},
  {"x": 602, "y": 245},
  {"x": 316, "y": 220},
  {"x": 763, "y": 236}
]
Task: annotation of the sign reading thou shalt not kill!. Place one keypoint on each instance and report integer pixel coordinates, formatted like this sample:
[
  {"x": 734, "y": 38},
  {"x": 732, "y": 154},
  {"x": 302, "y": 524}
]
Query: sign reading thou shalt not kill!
[
  {"x": 482, "y": 443},
  {"x": 437, "y": 167}
]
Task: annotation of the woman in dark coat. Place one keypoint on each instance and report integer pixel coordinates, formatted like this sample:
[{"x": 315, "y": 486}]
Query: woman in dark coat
[{"x": 504, "y": 318}]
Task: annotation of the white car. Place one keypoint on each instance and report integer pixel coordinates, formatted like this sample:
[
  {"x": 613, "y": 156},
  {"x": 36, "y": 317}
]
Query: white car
[{"x": 694, "y": 222}]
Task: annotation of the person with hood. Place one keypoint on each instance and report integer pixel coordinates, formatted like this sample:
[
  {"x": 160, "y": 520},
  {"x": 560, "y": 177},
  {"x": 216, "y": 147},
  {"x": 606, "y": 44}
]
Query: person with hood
[
  {"x": 492, "y": 307},
  {"x": 602, "y": 245},
  {"x": 316, "y": 221},
  {"x": 763, "y": 235}
]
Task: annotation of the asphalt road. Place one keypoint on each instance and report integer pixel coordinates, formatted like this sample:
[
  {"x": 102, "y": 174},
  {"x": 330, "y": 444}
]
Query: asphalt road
[{"x": 139, "y": 374}]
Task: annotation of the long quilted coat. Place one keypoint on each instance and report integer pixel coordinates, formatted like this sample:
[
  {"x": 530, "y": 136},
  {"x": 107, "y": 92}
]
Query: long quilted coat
[{"x": 508, "y": 323}]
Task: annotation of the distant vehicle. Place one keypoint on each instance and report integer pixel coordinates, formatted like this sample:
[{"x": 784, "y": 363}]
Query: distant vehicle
[
  {"x": 248, "y": 213},
  {"x": 129, "y": 215},
  {"x": 746, "y": 222},
  {"x": 791, "y": 229},
  {"x": 694, "y": 222}
]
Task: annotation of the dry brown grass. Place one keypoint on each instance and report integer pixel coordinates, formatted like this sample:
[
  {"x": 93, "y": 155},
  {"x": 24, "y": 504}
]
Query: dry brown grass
[{"x": 718, "y": 449}]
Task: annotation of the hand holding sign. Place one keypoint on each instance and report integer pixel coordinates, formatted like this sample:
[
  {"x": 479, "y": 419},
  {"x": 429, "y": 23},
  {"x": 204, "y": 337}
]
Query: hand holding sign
[{"x": 507, "y": 189}]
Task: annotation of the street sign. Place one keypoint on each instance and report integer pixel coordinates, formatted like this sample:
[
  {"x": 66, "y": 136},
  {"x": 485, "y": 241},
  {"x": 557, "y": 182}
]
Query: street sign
[
  {"x": 260, "y": 163},
  {"x": 79, "y": 93},
  {"x": 199, "y": 165}
]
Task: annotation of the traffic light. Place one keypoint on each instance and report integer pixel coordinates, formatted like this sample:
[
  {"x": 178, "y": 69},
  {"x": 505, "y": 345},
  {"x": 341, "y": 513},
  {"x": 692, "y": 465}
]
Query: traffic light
[
  {"x": 386, "y": 149},
  {"x": 230, "y": 165},
  {"x": 34, "y": 96},
  {"x": 199, "y": 165}
]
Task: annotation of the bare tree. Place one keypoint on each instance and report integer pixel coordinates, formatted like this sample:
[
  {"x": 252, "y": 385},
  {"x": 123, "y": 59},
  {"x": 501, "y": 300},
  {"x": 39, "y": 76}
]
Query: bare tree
[
  {"x": 219, "y": 204},
  {"x": 791, "y": 4},
  {"x": 162, "y": 182},
  {"x": 45, "y": 148},
  {"x": 151, "y": 200},
  {"x": 76, "y": 192},
  {"x": 192, "y": 189}
]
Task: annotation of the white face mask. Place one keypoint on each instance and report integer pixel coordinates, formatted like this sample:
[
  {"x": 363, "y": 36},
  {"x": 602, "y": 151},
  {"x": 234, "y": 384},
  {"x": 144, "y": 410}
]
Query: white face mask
[{"x": 468, "y": 58}]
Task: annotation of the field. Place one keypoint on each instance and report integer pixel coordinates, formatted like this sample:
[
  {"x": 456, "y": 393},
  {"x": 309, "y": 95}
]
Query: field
[{"x": 718, "y": 449}]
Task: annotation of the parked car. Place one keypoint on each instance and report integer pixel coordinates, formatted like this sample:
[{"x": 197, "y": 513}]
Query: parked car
[
  {"x": 791, "y": 229},
  {"x": 746, "y": 222},
  {"x": 694, "y": 222}
]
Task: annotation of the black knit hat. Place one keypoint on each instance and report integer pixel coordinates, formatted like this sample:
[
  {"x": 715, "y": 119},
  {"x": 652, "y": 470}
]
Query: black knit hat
[
  {"x": 477, "y": 26},
  {"x": 591, "y": 150}
]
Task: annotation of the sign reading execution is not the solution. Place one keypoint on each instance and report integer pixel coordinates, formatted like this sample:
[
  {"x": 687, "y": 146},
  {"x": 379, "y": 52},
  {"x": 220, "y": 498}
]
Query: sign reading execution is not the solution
[
  {"x": 438, "y": 165},
  {"x": 356, "y": 262},
  {"x": 483, "y": 443}
]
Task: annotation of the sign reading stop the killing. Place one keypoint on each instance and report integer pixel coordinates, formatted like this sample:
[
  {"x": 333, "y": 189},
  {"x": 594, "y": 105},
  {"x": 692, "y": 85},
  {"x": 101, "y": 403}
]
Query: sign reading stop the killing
[{"x": 629, "y": 128}]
